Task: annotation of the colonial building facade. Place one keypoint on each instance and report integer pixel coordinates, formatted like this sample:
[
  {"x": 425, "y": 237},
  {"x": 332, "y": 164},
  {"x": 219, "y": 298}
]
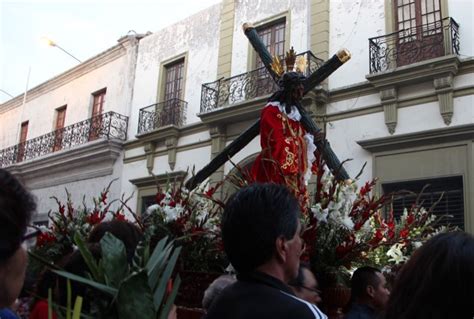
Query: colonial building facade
[{"x": 403, "y": 103}]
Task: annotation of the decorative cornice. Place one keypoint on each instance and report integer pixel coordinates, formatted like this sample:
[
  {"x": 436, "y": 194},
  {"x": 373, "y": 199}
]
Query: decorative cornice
[
  {"x": 416, "y": 72},
  {"x": 90, "y": 160},
  {"x": 160, "y": 134},
  {"x": 159, "y": 179},
  {"x": 430, "y": 137}
]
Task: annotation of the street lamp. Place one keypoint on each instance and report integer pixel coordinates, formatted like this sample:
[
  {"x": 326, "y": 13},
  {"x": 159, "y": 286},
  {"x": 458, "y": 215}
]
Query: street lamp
[{"x": 51, "y": 43}]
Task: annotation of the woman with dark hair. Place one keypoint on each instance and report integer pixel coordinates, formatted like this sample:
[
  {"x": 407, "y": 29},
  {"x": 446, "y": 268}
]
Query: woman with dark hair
[{"x": 437, "y": 281}]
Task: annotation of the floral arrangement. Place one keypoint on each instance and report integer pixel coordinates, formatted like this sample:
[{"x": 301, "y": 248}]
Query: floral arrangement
[
  {"x": 192, "y": 219},
  {"x": 57, "y": 239},
  {"x": 346, "y": 228}
]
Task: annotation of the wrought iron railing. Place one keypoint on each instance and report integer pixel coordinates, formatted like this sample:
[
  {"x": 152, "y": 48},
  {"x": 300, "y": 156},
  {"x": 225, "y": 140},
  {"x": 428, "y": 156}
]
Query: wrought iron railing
[
  {"x": 245, "y": 86},
  {"x": 109, "y": 125},
  {"x": 412, "y": 45},
  {"x": 169, "y": 112}
]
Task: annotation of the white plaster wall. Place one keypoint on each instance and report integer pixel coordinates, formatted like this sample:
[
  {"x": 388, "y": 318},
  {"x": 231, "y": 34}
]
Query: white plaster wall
[
  {"x": 352, "y": 23},
  {"x": 134, "y": 152},
  {"x": 256, "y": 11},
  {"x": 250, "y": 149},
  {"x": 194, "y": 138},
  {"x": 463, "y": 12},
  {"x": 463, "y": 110},
  {"x": 197, "y": 158},
  {"x": 76, "y": 94},
  {"x": 198, "y": 36},
  {"x": 343, "y": 135},
  {"x": 353, "y": 103},
  {"x": 131, "y": 171},
  {"x": 89, "y": 188},
  {"x": 10, "y": 125},
  {"x": 463, "y": 80}
]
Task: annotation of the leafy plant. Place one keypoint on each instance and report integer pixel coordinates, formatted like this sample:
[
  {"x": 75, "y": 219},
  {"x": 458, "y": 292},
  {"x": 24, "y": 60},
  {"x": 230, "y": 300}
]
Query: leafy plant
[{"x": 140, "y": 288}]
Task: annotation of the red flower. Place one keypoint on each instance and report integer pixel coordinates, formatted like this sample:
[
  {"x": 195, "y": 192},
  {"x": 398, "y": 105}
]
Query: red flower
[
  {"x": 95, "y": 218},
  {"x": 103, "y": 197},
  {"x": 210, "y": 191},
  {"x": 159, "y": 197},
  {"x": 378, "y": 236},
  {"x": 61, "y": 209},
  {"x": 44, "y": 239},
  {"x": 119, "y": 216},
  {"x": 410, "y": 219},
  {"x": 404, "y": 233}
]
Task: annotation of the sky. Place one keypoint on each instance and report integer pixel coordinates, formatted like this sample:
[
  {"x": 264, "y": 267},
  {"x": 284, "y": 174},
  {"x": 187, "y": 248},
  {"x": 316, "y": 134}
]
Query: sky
[{"x": 83, "y": 28}]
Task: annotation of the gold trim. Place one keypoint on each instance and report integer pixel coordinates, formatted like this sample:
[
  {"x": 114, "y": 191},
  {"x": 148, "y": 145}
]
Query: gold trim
[
  {"x": 343, "y": 55},
  {"x": 247, "y": 25}
]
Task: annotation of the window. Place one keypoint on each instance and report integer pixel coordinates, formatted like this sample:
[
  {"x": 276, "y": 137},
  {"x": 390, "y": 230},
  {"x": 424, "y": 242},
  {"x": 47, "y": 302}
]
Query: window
[
  {"x": 452, "y": 202},
  {"x": 273, "y": 37},
  {"x": 170, "y": 112},
  {"x": 58, "y": 130},
  {"x": 420, "y": 30},
  {"x": 147, "y": 201},
  {"x": 22, "y": 144},
  {"x": 98, "y": 100}
]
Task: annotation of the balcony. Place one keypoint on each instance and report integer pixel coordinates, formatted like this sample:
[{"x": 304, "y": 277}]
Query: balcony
[
  {"x": 170, "y": 112},
  {"x": 225, "y": 92},
  {"x": 413, "y": 45},
  {"x": 109, "y": 125}
]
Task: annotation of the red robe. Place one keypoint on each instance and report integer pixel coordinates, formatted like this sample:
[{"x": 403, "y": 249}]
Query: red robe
[{"x": 283, "y": 159}]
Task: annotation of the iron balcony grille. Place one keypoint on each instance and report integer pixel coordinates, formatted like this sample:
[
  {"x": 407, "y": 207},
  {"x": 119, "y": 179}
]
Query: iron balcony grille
[
  {"x": 412, "y": 45},
  {"x": 245, "y": 86},
  {"x": 109, "y": 125},
  {"x": 169, "y": 112}
]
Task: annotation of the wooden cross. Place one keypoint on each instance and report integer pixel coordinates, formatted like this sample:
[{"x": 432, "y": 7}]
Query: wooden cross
[{"x": 310, "y": 126}]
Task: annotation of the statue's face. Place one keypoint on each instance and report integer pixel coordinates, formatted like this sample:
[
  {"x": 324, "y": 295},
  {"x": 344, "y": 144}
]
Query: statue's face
[{"x": 297, "y": 92}]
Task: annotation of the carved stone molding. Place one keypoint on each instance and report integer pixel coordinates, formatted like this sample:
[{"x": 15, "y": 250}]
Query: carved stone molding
[
  {"x": 171, "y": 143},
  {"x": 320, "y": 97},
  {"x": 218, "y": 138},
  {"x": 444, "y": 90},
  {"x": 218, "y": 141},
  {"x": 388, "y": 97},
  {"x": 150, "y": 155},
  {"x": 91, "y": 160}
]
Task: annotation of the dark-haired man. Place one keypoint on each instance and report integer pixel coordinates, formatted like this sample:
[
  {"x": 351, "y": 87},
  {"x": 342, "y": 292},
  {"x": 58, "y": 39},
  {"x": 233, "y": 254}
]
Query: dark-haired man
[
  {"x": 16, "y": 207},
  {"x": 369, "y": 293},
  {"x": 261, "y": 235}
]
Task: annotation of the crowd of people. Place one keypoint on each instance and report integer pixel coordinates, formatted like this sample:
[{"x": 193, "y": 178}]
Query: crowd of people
[{"x": 261, "y": 236}]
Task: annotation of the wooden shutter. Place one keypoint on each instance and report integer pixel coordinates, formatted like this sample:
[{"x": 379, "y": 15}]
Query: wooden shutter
[
  {"x": 60, "y": 118},
  {"x": 170, "y": 111},
  {"x": 22, "y": 144},
  {"x": 452, "y": 202}
]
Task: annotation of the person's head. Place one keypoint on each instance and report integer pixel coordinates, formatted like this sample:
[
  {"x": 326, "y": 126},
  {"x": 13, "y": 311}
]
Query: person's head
[
  {"x": 368, "y": 286},
  {"x": 16, "y": 207},
  {"x": 305, "y": 285},
  {"x": 127, "y": 232},
  {"x": 260, "y": 227},
  {"x": 437, "y": 281},
  {"x": 215, "y": 289}
]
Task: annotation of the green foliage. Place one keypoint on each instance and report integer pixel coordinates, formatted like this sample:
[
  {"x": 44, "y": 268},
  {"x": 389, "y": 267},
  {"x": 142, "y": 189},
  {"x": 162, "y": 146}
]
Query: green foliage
[{"x": 137, "y": 289}]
